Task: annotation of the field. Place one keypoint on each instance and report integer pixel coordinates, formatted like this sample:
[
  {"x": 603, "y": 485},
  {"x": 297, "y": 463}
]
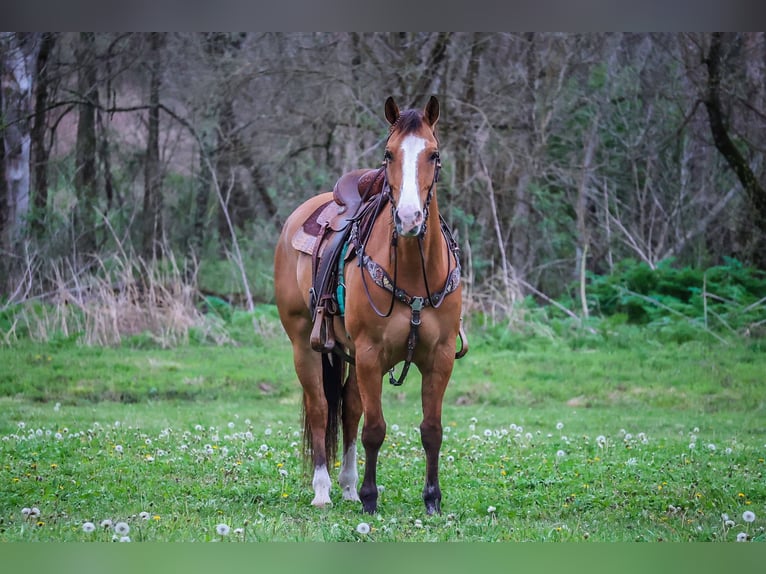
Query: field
[{"x": 546, "y": 439}]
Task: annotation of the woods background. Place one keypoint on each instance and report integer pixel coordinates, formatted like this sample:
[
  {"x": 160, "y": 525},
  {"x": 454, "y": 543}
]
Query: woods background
[{"x": 562, "y": 153}]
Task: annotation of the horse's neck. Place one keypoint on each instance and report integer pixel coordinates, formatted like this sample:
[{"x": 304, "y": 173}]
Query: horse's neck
[{"x": 434, "y": 255}]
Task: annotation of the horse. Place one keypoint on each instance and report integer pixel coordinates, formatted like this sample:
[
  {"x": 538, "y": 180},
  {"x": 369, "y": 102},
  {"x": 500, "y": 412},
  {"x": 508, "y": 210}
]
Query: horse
[{"x": 402, "y": 303}]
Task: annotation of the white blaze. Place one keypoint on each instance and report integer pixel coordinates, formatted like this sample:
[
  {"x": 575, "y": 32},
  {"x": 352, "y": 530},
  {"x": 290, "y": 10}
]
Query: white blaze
[{"x": 409, "y": 198}]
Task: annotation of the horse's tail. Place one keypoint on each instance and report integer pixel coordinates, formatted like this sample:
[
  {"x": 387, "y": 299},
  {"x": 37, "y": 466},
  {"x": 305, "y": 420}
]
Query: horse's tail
[{"x": 333, "y": 372}]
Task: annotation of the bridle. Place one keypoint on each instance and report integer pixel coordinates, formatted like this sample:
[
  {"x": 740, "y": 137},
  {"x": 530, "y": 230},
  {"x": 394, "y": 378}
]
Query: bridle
[{"x": 382, "y": 278}]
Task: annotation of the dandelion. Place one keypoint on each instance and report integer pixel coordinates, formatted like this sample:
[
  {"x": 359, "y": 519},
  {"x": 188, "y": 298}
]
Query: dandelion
[
  {"x": 122, "y": 528},
  {"x": 106, "y": 524},
  {"x": 264, "y": 447},
  {"x": 125, "y": 539},
  {"x": 742, "y": 537},
  {"x": 748, "y": 516},
  {"x": 418, "y": 523},
  {"x": 601, "y": 441},
  {"x": 222, "y": 529},
  {"x": 394, "y": 428},
  {"x": 239, "y": 531},
  {"x": 231, "y": 425},
  {"x": 450, "y": 458},
  {"x": 560, "y": 453},
  {"x": 487, "y": 433},
  {"x": 268, "y": 431},
  {"x": 559, "y": 425},
  {"x": 692, "y": 445},
  {"x": 144, "y": 516},
  {"x": 88, "y": 527},
  {"x": 363, "y": 528},
  {"x": 26, "y": 511},
  {"x": 711, "y": 447},
  {"x": 491, "y": 509},
  {"x": 118, "y": 448},
  {"x": 728, "y": 523}
]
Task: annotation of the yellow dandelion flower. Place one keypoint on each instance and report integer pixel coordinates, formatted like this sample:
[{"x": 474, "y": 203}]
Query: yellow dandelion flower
[
  {"x": 54, "y": 466},
  {"x": 156, "y": 517},
  {"x": 284, "y": 495},
  {"x": 741, "y": 495}
]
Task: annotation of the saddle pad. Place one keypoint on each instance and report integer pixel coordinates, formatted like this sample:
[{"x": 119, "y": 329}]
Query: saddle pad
[{"x": 305, "y": 239}]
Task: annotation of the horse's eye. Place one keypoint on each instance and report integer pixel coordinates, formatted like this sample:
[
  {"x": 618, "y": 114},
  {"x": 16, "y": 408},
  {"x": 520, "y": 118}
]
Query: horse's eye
[
  {"x": 387, "y": 156},
  {"x": 435, "y": 156}
]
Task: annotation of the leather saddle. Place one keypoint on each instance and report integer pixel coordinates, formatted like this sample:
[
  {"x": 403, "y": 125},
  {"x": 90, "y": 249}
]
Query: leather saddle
[{"x": 325, "y": 235}]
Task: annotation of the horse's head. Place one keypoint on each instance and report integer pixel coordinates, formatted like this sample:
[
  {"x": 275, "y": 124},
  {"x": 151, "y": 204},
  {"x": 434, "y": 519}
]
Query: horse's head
[{"x": 412, "y": 164}]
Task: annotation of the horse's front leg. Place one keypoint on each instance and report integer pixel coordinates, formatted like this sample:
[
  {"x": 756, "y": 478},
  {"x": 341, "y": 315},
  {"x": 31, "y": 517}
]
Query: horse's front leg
[
  {"x": 370, "y": 383},
  {"x": 435, "y": 382}
]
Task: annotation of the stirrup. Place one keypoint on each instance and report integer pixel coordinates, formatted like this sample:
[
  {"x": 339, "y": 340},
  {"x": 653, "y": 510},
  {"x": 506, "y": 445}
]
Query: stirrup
[{"x": 322, "y": 335}]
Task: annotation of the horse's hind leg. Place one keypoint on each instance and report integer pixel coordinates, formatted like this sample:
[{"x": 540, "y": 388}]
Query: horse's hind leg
[
  {"x": 308, "y": 366},
  {"x": 352, "y": 412}
]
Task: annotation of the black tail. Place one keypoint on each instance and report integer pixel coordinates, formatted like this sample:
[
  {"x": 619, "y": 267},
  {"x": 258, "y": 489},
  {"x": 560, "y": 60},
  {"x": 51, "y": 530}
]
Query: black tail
[{"x": 333, "y": 372}]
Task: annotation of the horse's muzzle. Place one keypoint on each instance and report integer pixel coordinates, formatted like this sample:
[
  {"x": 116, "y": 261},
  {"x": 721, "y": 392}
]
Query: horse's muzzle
[{"x": 409, "y": 222}]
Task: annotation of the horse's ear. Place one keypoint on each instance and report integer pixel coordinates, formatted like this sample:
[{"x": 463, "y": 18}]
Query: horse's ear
[
  {"x": 392, "y": 110},
  {"x": 432, "y": 111}
]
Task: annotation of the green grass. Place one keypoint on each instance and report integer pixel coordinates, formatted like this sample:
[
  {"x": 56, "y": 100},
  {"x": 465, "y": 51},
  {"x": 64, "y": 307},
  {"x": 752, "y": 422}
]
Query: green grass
[{"x": 210, "y": 435}]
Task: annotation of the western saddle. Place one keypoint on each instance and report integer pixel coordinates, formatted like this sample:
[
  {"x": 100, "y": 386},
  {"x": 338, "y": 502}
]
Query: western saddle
[{"x": 326, "y": 236}]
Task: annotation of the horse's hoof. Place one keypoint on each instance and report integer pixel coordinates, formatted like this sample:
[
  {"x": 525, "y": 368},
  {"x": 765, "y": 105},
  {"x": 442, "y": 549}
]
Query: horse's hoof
[{"x": 321, "y": 503}]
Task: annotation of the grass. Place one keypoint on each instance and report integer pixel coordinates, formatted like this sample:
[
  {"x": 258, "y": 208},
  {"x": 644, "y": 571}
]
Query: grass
[{"x": 559, "y": 439}]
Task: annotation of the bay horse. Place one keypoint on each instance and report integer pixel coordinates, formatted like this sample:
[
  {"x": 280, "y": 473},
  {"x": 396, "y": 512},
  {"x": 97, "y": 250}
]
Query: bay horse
[{"x": 402, "y": 302}]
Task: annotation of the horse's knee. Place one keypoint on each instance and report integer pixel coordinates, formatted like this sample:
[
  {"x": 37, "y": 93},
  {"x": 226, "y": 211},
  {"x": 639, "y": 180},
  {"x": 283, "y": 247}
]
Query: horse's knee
[
  {"x": 373, "y": 434},
  {"x": 431, "y": 435}
]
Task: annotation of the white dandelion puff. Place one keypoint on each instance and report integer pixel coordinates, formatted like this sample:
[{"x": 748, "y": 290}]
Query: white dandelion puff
[
  {"x": 559, "y": 425},
  {"x": 222, "y": 529},
  {"x": 560, "y": 453},
  {"x": 748, "y": 516},
  {"x": 88, "y": 527},
  {"x": 125, "y": 539},
  {"x": 106, "y": 524},
  {"x": 487, "y": 433},
  {"x": 144, "y": 516},
  {"x": 491, "y": 509},
  {"x": 122, "y": 528},
  {"x": 118, "y": 448},
  {"x": 268, "y": 431},
  {"x": 742, "y": 537},
  {"x": 363, "y": 528}
]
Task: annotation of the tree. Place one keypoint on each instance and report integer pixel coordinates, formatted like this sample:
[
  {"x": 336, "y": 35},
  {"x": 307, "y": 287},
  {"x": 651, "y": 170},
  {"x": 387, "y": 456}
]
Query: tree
[
  {"x": 152, "y": 212},
  {"x": 19, "y": 55}
]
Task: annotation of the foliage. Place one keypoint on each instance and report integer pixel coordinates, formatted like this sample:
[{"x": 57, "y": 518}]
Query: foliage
[{"x": 686, "y": 301}]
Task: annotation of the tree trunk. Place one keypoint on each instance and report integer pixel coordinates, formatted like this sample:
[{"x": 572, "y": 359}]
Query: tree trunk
[
  {"x": 19, "y": 51},
  {"x": 753, "y": 189},
  {"x": 39, "y": 149},
  {"x": 152, "y": 215},
  {"x": 85, "y": 147}
]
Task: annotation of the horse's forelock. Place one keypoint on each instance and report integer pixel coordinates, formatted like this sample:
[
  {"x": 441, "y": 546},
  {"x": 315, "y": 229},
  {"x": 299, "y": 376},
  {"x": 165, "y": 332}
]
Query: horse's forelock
[{"x": 409, "y": 121}]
